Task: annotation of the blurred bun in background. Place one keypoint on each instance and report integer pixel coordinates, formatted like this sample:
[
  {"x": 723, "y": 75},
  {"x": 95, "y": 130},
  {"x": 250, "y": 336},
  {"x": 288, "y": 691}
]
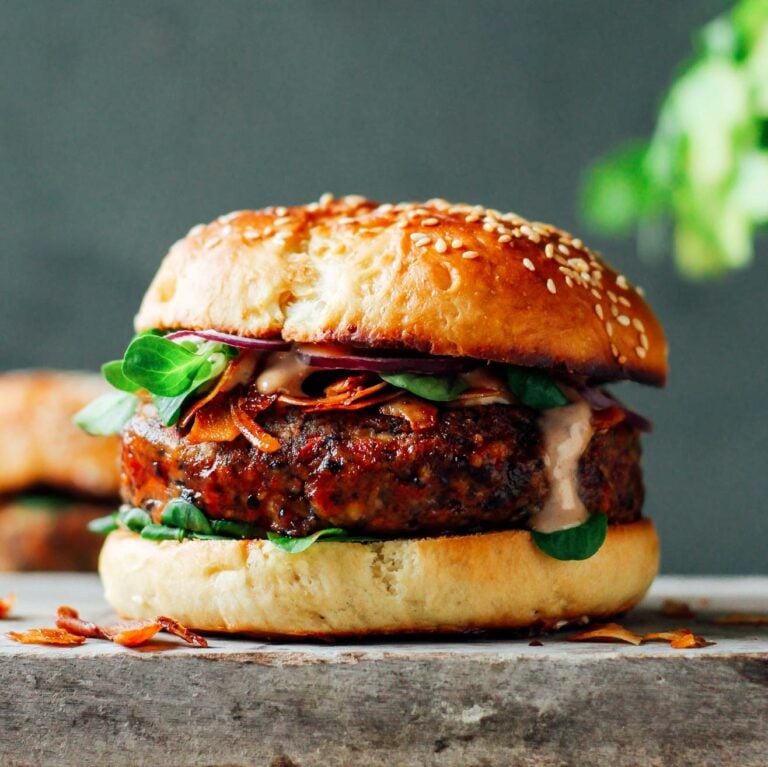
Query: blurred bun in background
[{"x": 53, "y": 478}]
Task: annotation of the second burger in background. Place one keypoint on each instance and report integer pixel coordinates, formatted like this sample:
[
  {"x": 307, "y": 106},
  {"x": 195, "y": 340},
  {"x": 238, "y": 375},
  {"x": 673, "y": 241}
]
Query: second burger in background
[{"x": 54, "y": 479}]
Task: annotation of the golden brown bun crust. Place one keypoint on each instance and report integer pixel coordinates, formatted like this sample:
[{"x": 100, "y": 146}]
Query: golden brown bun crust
[
  {"x": 437, "y": 278},
  {"x": 39, "y": 444},
  {"x": 332, "y": 590},
  {"x": 38, "y": 536}
]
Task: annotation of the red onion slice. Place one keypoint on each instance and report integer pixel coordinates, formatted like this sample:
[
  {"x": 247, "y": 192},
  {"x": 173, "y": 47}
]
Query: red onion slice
[
  {"x": 240, "y": 342},
  {"x": 333, "y": 359}
]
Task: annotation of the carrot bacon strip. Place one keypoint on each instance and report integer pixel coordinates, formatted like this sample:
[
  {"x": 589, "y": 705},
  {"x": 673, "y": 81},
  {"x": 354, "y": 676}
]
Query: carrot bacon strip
[
  {"x": 131, "y": 633},
  {"x": 610, "y": 632},
  {"x": 58, "y": 637},
  {"x": 213, "y": 424},
  {"x": 257, "y": 436},
  {"x": 67, "y": 618},
  {"x": 175, "y": 628}
]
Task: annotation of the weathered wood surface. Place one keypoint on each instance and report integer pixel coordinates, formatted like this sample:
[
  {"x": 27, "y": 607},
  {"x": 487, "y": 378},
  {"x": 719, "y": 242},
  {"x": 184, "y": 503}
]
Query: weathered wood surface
[{"x": 472, "y": 703}]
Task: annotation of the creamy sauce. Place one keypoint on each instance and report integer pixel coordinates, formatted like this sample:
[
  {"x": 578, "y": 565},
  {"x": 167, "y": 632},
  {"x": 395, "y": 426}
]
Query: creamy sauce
[
  {"x": 566, "y": 433},
  {"x": 283, "y": 373}
]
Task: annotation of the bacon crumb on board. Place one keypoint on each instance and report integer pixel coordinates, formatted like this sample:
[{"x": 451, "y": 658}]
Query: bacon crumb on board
[
  {"x": 679, "y": 639},
  {"x": 131, "y": 633},
  {"x": 6, "y": 605},
  {"x": 58, "y": 637},
  {"x": 175, "y": 628},
  {"x": 67, "y": 618},
  {"x": 610, "y": 632}
]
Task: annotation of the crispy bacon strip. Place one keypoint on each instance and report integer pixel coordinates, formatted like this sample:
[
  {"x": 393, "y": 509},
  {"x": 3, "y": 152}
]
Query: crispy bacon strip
[
  {"x": 679, "y": 639},
  {"x": 58, "y": 637},
  {"x": 607, "y": 417},
  {"x": 610, "y": 632},
  {"x": 239, "y": 371},
  {"x": 6, "y": 605},
  {"x": 742, "y": 619},
  {"x": 248, "y": 427},
  {"x": 175, "y": 628},
  {"x": 131, "y": 633},
  {"x": 419, "y": 415},
  {"x": 213, "y": 424},
  {"x": 67, "y": 618},
  {"x": 613, "y": 632}
]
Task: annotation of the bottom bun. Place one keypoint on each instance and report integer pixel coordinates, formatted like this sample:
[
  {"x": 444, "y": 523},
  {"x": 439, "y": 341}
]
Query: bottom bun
[
  {"x": 45, "y": 535},
  {"x": 486, "y": 581}
]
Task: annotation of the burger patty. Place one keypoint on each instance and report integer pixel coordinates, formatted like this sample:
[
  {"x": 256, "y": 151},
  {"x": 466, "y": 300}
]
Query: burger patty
[{"x": 478, "y": 468}]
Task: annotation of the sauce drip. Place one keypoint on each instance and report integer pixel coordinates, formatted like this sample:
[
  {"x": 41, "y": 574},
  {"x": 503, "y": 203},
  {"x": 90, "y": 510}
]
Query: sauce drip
[
  {"x": 283, "y": 373},
  {"x": 566, "y": 433}
]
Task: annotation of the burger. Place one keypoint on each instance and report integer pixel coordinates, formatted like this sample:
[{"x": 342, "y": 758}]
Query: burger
[
  {"x": 349, "y": 418},
  {"x": 53, "y": 478}
]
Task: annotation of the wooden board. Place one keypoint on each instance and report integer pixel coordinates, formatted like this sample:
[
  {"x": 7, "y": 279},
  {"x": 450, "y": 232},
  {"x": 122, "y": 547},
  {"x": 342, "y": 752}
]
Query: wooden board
[{"x": 473, "y": 703}]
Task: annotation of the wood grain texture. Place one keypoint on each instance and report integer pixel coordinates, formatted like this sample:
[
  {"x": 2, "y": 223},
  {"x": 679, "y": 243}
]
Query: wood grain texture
[{"x": 476, "y": 703}]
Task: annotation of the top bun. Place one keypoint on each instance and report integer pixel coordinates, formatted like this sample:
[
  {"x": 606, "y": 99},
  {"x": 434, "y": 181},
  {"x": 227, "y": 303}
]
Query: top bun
[{"x": 438, "y": 278}]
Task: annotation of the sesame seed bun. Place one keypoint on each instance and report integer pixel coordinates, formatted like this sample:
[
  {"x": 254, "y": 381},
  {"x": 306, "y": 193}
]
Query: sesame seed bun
[
  {"x": 335, "y": 590},
  {"x": 437, "y": 278},
  {"x": 39, "y": 444}
]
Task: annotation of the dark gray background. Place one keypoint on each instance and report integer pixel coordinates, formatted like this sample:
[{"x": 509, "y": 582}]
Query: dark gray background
[{"x": 123, "y": 124}]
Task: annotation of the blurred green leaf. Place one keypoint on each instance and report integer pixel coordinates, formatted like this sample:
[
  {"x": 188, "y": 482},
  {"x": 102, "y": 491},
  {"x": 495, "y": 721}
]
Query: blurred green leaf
[{"x": 705, "y": 168}]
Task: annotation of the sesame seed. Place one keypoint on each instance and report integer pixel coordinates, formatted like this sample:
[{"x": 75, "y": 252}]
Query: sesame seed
[
  {"x": 440, "y": 245},
  {"x": 568, "y": 281},
  {"x": 579, "y": 264},
  {"x": 313, "y": 206},
  {"x": 640, "y": 291},
  {"x": 644, "y": 341},
  {"x": 563, "y": 249},
  {"x": 225, "y": 219},
  {"x": 386, "y": 207},
  {"x": 469, "y": 254},
  {"x": 614, "y": 350},
  {"x": 637, "y": 324},
  {"x": 640, "y": 352},
  {"x": 226, "y": 230},
  {"x": 430, "y": 222},
  {"x": 577, "y": 243},
  {"x": 624, "y": 301},
  {"x": 612, "y": 296},
  {"x": 551, "y": 286},
  {"x": 417, "y": 235},
  {"x": 456, "y": 243},
  {"x": 423, "y": 242},
  {"x": 284, "y": 220},
  {"x": 251, "y": 234},
  {"x": 528, "y": 264},
  {"x": 489, "y": 227},
  {"x": 325, "y": 199},
  {"x": 599, "y": 311},
  {"x": 622, "y": 319},
  {"x": 505, "y": 238},
  {"x": 621, "y": 281},
  {"x": 341, "y": 220},
  {"x": 622, "y": 359},
  {"x": 281, "y": 211},
  {"x": 472, "y": 217},
  {"x": 609, "y": 328},
  {"x": 597, "y": 294},
  {"x": 549, "y": 250},
  {"x": 195, "y": 230},
  {"x": 212, "y": 243},
  {"x": 526, "y": 230},
  {"x": 614, "y": 310}
]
